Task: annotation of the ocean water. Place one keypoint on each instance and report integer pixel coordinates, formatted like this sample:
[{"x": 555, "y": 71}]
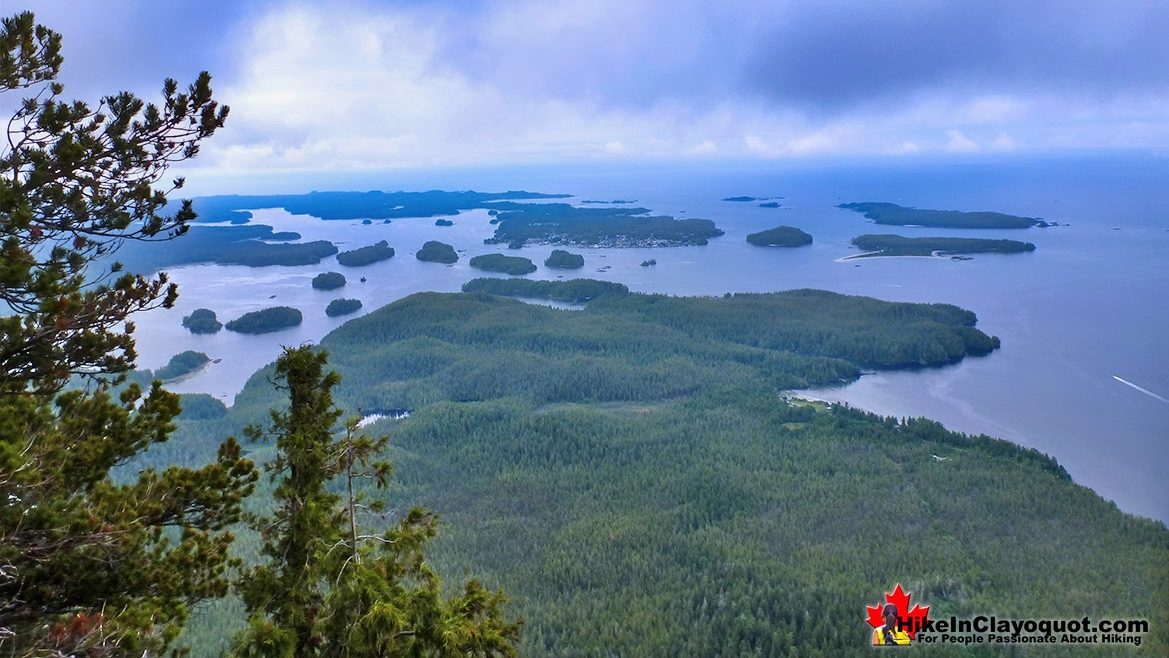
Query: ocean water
[{"x": 1083, "y": 372}]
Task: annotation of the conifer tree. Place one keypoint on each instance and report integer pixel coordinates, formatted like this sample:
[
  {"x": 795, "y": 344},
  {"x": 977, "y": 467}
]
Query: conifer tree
[
  {"x": 94, "y": 560},
  {"x": 330, "y": 589}
]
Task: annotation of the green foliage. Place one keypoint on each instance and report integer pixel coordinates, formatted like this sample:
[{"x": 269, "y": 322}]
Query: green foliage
[
  {"x": 265, "y": 320},
  {"x": 201, "y": 406},
  {"x": 560, "y": 223},
  {"x": 342, "y": 307},
  {"x": 182, "y": 364},
  {"x": 329, "y": 589},
  {"x": 437, "y": 252},
  {"x": 891, "y": 213},
  {"x": 563, "y": 260},
  {"x": 514, "y": 265},
  {"x": 896, "y": 245},
  {"x": 576, "y": 291},
  {"x": 97, "y": 557},
  {"x": 366, "y": 255},
  {"x": 328, "y": 281},
  {"x": 633, "y": 474},
  {"x": 780, "y": 236},
  {"x": 202, "y": 321}
]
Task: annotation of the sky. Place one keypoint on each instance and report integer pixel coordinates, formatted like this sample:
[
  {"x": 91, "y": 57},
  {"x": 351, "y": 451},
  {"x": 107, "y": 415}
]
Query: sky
[{"x": 360, "y": 85}]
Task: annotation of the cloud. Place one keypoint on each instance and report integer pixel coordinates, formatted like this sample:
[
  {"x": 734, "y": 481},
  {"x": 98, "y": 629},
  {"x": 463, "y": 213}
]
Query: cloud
[
  {"x": 374, "y": 84},
  {"x": 960, "y": 143}
]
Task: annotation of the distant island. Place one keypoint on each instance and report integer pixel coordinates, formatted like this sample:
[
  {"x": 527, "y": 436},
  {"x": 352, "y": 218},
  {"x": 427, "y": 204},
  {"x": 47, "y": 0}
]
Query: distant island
[
  {"x": 437, "y": 252},
  {"x": 514, "y": 265},
  {"x": 563, "y": 260},
  {"x": 266, "y": 320},
  {"x": 367, "y": 255},
  {"x": 780, "y": 236},
  {"x": 328, "y": 281},
  {"x": 355, "y": 205},
  {"x": 202, "y": 321},
  {"x": 893, "y": 214},
  {"x": 249, "y": 245},
  {"x": 181, "y": 365},
  {"x": 577, "y": 291},
  {"x": 748, "y": 199},
  {"x": 560, "y": 223},
  {"x": 443, "y": 222},
  {"x": 591, "y": 201},
  {"x": 896, "y": 245},
  {"x": 649, "y": 263},
  {"x": 342, "y": 307}
]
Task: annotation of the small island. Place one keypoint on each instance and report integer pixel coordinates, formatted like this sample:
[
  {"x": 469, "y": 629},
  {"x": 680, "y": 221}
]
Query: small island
[
  {"x": 576, "y": 291},
  {"x": 366, "y": 222},
  {"x": 769, "y": 204},
  {"x": 342, "y": 307},
  {"x": 202, "y": 321},
  {"x": 649, "y": 263},
  {"x": 780, "y": 236},
  {"x": 267, "y": 320},
  {"x": 443, "y": 222},
  {"x": 896, "y": 245},
  {"x": 514, "y": 265},
  {"x": 181, "y": 365},
  {"x": 563, "y": 260},
  {"x": 367, "y": 255},
  {"x": 740, "y": 199},
  {"x": 283, "y": 236},
  {"x": 328, "y": 281},
  {"x": 895, "y": 215},
  {"x": 437, "y": 252}
]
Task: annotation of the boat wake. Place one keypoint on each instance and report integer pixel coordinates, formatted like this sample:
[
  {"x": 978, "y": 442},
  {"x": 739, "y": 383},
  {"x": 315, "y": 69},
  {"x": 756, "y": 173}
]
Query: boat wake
[{"x": 1141, "y": 389}]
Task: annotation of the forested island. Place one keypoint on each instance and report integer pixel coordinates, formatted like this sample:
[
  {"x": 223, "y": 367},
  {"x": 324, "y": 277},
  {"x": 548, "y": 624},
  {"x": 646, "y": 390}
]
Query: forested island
[
  {"x": 514, "y": 265},
  {"x": 780, "y": 236},
  {"x": 434, "y": 251},
  {"x": 328, "y": 281},
  {"x": 443, "y": 222},
  {"x": 356, "y": 205},
  {"x": 896, "y": 245},
  {"x": 202, "y": 321},
  {"x": 339, "y": 307},
  {"x": 576, "y": 291},
  {"x": 181, "y": 365},
  {"x": 891, "y": 213},
  {"x": 563, "y": 260},
  {"x": 266, "y": 320},
  {"x": 226, "y": 245},
  {"x": 562, "y": 224},
  {"x": 639, "y": 455},
  {"x": 769, "y": 204},
  {"x": 366, "y": 255}
]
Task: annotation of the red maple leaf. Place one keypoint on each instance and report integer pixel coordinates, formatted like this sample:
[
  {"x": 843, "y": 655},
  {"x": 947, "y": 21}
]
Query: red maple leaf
[{"x": 910, "y": 620}]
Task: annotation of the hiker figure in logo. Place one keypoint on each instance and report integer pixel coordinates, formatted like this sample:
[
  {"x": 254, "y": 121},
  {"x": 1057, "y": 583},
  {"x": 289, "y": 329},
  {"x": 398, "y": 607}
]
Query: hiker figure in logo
[{"x": 890, "y": 634}]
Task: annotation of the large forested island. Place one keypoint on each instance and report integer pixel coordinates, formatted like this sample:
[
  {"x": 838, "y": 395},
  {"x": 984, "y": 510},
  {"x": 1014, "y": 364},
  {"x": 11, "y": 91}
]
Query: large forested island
[
  {"x": 266, "y": 320},
  {"x": 367, "y": 255},
  {"x": 253, "y": 245},
  {"x": 634, "y": 476},
  {"x": 893, "y": 214},
  {"x": 356, "y": 205},
  {"x": 577, "y": 291},
  {"x": 780, "y": 236},
  {"x": 437, "y": 252},
  {"x": 896, "y": 245},
  {"x": 562, "y": 224},
  {"x": 514, "y": 265}
]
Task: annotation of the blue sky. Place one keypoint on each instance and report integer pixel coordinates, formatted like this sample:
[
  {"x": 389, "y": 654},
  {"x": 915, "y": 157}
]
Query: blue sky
[{"x": 365, "y": 85}]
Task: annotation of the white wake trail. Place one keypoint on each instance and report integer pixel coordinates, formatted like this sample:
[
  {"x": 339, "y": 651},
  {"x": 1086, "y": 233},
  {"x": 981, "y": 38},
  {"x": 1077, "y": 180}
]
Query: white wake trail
[{"x": 1141, "y": 389}]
